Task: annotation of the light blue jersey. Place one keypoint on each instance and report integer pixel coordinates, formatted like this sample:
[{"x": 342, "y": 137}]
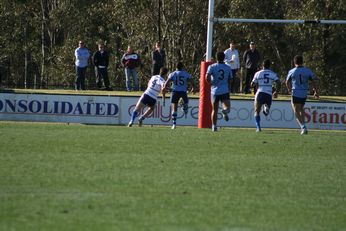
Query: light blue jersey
[
  {"x": 300, "y": 77},
  {"x": 221, "y": 74},
  {"x": 179, "y": 79}
]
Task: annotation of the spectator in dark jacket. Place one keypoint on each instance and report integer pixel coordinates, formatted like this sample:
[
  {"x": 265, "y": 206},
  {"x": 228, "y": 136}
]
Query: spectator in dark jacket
[
  {"x": 101, "y": 61},
  {"x": 131, "y": 60},
  {"x": 158, "y": 57},
  {"x": 251, "y": 60}
]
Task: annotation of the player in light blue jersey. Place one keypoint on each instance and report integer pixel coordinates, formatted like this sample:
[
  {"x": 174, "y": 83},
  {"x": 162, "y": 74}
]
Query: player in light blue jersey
[
  {"x": 264, "y": 80},
  {"x": 219, "y": 75},
  {"x": 297, "y": 83},
  {"x": 179, "y": 80},
  {"x": 149, "y": 97}
]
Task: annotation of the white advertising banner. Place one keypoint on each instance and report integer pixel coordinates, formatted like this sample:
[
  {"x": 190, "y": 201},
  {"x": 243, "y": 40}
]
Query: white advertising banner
[
  {"x": 319, "y": 115},
  {"x": 59, "y": 108},
  {"x": 117, "y": 110}
]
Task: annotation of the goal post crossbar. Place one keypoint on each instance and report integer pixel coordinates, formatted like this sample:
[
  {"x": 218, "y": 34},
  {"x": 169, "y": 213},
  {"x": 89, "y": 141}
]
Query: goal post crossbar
[{"x": 245, "y": 20}]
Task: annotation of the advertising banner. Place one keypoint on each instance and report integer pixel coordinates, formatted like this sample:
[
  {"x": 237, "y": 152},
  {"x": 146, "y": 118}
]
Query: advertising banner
[
  {"x": 59, "y": 108},
  {"x": 117, "y": 110}
]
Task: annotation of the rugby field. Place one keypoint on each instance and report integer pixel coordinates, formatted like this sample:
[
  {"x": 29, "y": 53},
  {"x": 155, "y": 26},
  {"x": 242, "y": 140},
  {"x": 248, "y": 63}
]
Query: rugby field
[{"x": 82, "y": 177}]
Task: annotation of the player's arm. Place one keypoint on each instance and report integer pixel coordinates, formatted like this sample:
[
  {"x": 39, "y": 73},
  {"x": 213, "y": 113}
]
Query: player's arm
[
  {"x": 254, "y": 84},
  {"x": 167, "y": 84},
  {"x": 289, "y": 85},
  {"x": 208, "y": 78}
]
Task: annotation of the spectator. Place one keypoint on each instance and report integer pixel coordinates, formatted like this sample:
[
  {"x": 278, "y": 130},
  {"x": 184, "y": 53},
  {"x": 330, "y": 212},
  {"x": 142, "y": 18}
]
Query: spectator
[
  {"x": 101, "y": 61},
  {"x": 297, "y": 82},
  {"x": 158, "y": 57},
  {"x": 232, "y": 60},
  {"x": 251, "y": 60},
  {"x": 219, "y": 75},
  {"x": 82, "y": 56},
  {"x": 131, "y": 60}
]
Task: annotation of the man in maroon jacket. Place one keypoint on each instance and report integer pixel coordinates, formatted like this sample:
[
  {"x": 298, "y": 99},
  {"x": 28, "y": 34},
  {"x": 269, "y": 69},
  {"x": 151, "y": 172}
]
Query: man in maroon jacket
[{"x": 131, "y": 61}]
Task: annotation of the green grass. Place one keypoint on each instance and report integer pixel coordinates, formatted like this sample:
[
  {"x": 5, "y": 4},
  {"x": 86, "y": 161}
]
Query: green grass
[{"x": 79, "y": 177}]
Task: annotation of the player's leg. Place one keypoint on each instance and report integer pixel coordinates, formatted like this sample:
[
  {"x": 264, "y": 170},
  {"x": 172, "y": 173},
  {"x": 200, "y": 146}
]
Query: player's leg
[
  {"x": 215, "y": 107},
  {"x": 225, "y": 106},
  {"x": 174, "y": 101},
  {"x": 257, "y": 108},
  {"x": 135, "y": 112},
  {"x": 185, "y": 105},
  {"x": 145, "y": 114},
  {"x": 298, "y": 109},
  {"x": 174, "y": 115},
  {"x": 151, "y": 103}
]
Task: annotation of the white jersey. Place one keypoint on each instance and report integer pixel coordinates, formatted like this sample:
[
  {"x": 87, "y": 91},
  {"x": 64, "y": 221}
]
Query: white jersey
[
  {"x": 155, "y": 86},
  {"x": 265, "y": 78}
]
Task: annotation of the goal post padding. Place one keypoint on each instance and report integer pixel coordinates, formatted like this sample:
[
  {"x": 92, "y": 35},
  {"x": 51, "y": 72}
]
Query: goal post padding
[{"x": 204, "y": 107}]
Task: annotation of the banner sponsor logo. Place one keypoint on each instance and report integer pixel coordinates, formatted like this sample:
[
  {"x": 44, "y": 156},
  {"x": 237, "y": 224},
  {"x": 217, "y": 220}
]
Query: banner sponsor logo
[{"x": 58, "y": 107}]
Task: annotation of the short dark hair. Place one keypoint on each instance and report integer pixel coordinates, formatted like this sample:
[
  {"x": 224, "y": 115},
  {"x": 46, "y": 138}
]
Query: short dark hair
[
  {"x": 163, "y": 71},
  {"x": 266, "y": 63},
  {"x": 220, "y": 56},
  {"x": 179, "y": 65},
  {"x": 298, "y": 59}
]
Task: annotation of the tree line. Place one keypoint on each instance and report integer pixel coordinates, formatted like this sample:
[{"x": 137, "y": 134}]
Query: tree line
[{"x": 38, "y": 38}]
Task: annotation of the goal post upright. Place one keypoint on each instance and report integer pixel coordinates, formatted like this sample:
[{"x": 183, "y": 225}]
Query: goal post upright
[{"x": 204, "y": 106}]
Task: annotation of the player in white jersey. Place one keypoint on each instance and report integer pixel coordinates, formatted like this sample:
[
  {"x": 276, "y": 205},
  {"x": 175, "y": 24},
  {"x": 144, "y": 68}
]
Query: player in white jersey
[
  {"x": 149, "y": 97},
  {"x": 264, "y": 80}
]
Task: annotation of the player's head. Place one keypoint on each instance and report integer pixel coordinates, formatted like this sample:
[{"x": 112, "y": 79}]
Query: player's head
[
  {"x": 179, "y": 66},
  {"x": 266, "y": 63},
  {"x": 232, "y": 44},
  {"x": 163, "y": 71},
  {"x": 298, "y": 60},
  {"x": 220, "y": 56}
]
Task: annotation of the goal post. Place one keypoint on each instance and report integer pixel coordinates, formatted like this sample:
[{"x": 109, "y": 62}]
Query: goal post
[{"x": 204, "y": 113}]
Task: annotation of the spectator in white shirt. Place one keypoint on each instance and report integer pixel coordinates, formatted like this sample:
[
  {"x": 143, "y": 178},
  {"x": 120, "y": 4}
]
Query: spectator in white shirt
[{"x": 232, "y": 60}]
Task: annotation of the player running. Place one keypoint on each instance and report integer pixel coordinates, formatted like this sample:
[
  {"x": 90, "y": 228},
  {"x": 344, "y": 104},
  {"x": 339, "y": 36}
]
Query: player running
[
  {"x": 149, "y": 97},
  {"x": 263, "y": 80},
  {"x": 297, "y": 82},
  {"x": 219, "y": 75},
  {"x": 179, "y": 80}
]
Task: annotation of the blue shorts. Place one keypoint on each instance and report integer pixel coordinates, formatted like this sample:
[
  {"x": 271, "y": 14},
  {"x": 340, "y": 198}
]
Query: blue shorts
[
  {"x": 176, "y": 95},
  {"x": 147, "y": 100},
  {"x": 217, "y": 98},
  {"x": 263, "y": 98},
  {"x": 298, "y": 100}
]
